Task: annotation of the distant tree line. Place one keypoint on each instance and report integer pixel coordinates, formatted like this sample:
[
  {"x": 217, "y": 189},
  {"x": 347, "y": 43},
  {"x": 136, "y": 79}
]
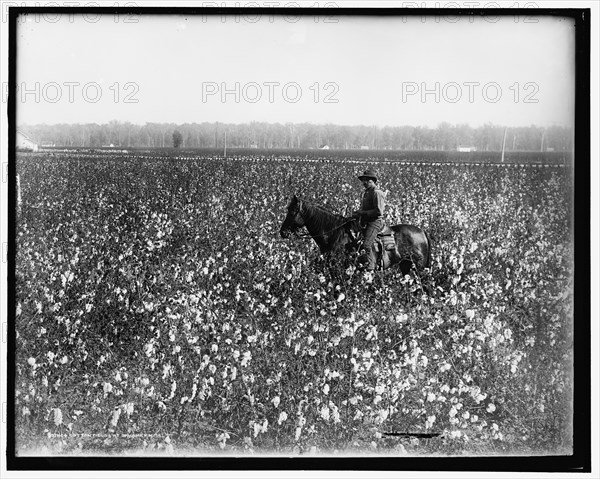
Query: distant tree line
[{"x": 445, "y": 136}]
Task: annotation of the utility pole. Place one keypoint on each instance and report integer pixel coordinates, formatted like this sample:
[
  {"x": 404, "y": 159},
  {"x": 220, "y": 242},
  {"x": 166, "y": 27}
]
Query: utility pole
[
  {"x": 543, "y": 137},
  {"x": 19, "y": 202}
]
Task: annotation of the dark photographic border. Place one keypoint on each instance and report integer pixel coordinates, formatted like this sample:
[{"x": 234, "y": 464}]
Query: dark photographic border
[{"x": 580, "y": 461}]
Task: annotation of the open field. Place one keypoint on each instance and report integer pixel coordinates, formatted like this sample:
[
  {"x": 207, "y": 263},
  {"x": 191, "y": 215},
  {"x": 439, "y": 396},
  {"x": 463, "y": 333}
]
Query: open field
[
  {"x": 158, "y": 310},
  {"x": 418, "y": 156}
]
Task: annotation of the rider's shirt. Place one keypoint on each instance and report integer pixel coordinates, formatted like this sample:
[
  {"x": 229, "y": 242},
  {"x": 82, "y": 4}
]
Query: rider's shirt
[{"x": 373, "y": 204}]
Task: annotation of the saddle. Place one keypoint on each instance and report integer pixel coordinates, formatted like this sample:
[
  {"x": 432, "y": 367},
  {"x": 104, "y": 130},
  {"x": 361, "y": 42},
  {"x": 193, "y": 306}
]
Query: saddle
[
  {"x": 386, "y": 231},
  {"x": 385, "y": 240},
  {"x": 384, "y": 248}
]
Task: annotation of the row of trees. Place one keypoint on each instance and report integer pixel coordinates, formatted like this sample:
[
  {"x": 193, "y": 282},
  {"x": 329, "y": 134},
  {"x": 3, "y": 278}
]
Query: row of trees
[{"x": 488, "y": 137}]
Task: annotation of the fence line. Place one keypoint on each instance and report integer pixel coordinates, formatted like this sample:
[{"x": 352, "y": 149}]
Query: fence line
[{"x": 278, "y": 159}]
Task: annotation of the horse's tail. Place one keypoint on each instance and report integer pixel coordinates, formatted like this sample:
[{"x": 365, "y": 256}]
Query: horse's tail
[{"x": 428, "y": 261}]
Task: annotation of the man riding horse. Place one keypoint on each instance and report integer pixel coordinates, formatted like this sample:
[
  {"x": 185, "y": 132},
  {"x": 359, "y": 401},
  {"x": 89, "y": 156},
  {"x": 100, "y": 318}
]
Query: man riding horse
[
  {"x": 370, "y": 217},
  {"x": 404, "y": 245}
]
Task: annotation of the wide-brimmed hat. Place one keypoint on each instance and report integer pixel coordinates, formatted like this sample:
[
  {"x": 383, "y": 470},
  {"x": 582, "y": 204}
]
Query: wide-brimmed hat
[{"x": 368, "y": 174}]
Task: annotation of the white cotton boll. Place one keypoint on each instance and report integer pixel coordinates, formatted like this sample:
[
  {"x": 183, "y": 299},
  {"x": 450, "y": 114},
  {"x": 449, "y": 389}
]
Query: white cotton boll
[{"x": 282, "y": 417}]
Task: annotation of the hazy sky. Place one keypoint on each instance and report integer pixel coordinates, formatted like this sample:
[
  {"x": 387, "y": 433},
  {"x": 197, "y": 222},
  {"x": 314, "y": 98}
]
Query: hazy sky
[{"x": 350, "y": 70}]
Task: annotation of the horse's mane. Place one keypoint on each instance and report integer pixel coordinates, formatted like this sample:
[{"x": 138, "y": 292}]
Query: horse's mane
[{"x": 322, "y": 217}]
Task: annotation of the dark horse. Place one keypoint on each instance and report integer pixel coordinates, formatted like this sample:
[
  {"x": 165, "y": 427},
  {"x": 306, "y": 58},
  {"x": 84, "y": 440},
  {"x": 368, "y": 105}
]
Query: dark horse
[{"x": 335, "y": 233}]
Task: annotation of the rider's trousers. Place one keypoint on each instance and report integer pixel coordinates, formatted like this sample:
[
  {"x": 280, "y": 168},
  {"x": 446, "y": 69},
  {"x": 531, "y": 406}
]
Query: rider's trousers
[{"x": 371, "y": 231}]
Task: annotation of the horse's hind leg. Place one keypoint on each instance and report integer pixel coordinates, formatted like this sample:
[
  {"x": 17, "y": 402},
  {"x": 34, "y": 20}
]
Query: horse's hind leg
[{"x": 405, "y": 266}]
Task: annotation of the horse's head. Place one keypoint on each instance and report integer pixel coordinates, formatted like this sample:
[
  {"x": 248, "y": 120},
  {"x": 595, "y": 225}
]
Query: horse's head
[{"x": 293, "y": 220}]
